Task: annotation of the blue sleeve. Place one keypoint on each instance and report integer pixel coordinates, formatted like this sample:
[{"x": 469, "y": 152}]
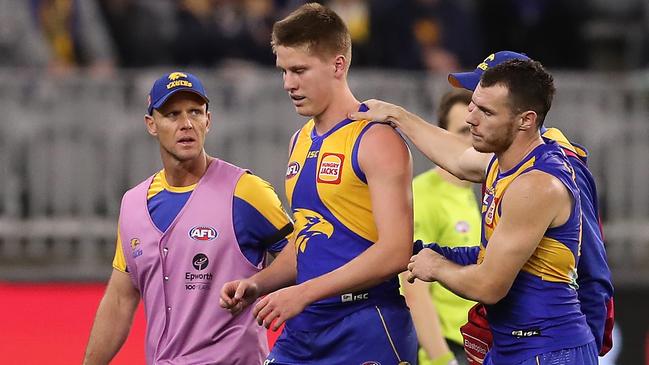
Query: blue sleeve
[
  {"x": 260, "y": 223},
  {"x": 258, "y": 237},
  {"x": 459, "y": 255},
  {"x": 593, "y": 274}
]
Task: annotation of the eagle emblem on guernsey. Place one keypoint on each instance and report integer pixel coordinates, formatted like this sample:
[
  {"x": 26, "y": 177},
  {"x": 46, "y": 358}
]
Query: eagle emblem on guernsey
[{"x": 310, "y": 224}]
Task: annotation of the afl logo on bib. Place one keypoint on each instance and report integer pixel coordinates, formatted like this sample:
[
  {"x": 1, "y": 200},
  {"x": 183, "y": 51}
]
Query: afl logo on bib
[
  {"x": 203, "y": 233},
  {"x": 330, "y": 169},
  {"x": 292, "y": 170}
]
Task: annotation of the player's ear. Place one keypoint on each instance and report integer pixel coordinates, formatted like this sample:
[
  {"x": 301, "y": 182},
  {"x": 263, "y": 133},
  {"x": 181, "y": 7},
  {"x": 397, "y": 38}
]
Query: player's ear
[
  {"x": 208, "y": 123},
  {"x": 340, "y": 65},
  {"x": 150, "y": 125},
  {"x": 528, "y": 120}
]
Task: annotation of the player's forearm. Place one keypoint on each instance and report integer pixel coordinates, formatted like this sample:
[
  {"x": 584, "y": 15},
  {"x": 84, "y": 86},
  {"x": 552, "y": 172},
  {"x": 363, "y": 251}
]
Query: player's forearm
[
  {"x": 110, "y": 329},
  {"x": 281, "y": 273},
  {"x": 443, "y": 148},
  {"x": 471, "y": 282},
  {"x": 425, "y": 318},
  {"x": 375, "y": 265}
]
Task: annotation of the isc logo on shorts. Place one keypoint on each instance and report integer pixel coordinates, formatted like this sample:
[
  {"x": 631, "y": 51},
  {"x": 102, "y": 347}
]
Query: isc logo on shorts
[
  {"x": 203, "y": 233},
  {"x": 330, "y": 169}
]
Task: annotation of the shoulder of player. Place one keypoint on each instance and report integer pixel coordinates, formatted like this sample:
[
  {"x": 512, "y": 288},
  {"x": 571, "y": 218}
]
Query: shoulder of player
[
  {"x": 250, "y": 187},
  {"x": 383, "y": 149},
  {"x": 382, "y": 139},
  {"x": 294, "y": 138},
  {"x": 535, "y": 188},
  {"x": 374, "y": 128}
]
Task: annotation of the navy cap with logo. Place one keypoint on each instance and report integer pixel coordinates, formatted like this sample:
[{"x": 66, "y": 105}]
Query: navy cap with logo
[
  {"x": 172, "y": 83},
  {"x": 470, "y": 80}
]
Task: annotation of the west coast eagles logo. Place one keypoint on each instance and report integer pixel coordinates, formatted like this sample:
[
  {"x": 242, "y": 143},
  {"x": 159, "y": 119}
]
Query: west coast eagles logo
[
  {"x": 135, "y": 242},
  {"x": 135, "y": 247},
  {"x": 176, "y": 75},
  {"x": 311, "y": 224},
  {"x": 484, "y": 64}
]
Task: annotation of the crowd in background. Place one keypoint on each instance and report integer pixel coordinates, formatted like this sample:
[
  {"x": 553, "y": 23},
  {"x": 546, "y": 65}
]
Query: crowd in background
[{"x": 434, "y": 35}]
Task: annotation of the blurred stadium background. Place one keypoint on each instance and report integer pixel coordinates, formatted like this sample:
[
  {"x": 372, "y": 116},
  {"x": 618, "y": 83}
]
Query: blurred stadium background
[{"x": 74, "y": 75}]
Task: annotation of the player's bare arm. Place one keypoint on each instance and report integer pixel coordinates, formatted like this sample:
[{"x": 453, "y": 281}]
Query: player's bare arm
[
  {"x": 532, "y": 203},
  {"x": 113, "y": 319},
  {"x": 442, "y": 147},
  {"x": 386, "y": 162},
  {"x": 425, "y": 316}
]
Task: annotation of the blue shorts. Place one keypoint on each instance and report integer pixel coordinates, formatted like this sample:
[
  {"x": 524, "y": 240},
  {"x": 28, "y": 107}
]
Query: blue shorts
[
  {"x": 377, "y": 335},
  {"x": 582, "y": 355}
]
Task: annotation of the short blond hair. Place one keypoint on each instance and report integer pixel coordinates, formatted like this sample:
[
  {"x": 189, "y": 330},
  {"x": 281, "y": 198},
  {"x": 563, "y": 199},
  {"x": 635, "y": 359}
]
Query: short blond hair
[{"x": 319, "y": 29}]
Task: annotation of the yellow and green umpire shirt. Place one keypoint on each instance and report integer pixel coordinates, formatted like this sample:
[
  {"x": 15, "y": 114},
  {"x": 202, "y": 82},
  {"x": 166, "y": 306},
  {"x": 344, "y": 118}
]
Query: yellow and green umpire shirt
[{"x": 446, "y": 214}]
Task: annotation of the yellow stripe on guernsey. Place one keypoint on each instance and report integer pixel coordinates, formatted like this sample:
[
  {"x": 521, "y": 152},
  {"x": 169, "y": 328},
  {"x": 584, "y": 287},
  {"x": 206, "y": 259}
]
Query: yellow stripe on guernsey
[
  {"x": 552, "y": 260},
  {"x": 556, "y": 135},
  {"x": 260, "y": 194},
  {"x": 342, "y": 192},
  {"x": 160, "y": 183}
]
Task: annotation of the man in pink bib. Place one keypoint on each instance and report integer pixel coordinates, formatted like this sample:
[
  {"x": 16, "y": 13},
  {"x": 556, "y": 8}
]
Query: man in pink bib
[{"x": 184, "y": 232}]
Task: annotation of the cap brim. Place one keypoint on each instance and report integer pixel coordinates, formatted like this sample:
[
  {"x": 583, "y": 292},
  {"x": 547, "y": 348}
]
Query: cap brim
[
  {"x": 465, "y": 80},
  {"x": 160, "y": 102}
]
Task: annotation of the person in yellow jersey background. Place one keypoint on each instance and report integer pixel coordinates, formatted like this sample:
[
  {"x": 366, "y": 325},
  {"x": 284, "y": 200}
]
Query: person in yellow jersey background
[{"x": 446, "y": 212}]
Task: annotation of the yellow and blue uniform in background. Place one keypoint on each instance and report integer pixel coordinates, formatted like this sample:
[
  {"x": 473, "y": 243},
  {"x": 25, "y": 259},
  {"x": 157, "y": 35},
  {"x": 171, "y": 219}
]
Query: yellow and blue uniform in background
[
  {"x": 254, "y": 201},
  {"x": 330, "y": 199},
  {"x": 594, "y": 276},
  {"x": 541, "y": 313}
]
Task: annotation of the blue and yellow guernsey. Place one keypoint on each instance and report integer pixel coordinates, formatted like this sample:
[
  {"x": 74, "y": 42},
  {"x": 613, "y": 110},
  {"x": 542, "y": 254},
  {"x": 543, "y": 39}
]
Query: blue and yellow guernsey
[
  {"x": 330, "y": 200},
  {"x": 541, "y": 312}
]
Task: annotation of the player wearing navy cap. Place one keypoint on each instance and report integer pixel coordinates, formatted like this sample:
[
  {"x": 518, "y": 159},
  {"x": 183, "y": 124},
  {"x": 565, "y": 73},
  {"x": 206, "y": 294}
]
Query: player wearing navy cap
[
  {"x": 531, "y": 215},
  {"x": 182, "y": 233},
  {"x": 593, "y": 275},
  {"x": 166, "y": 86}
]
